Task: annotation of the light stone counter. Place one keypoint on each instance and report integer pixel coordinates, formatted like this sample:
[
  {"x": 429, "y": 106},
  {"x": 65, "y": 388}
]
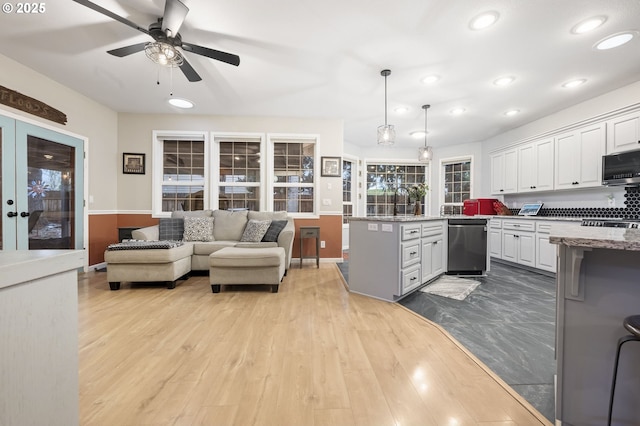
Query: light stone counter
[{"x": 574, "y": 235}]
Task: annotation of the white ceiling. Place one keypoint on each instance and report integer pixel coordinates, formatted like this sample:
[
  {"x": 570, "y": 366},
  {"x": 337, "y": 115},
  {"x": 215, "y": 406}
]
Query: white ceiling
[{"x": 322, "y": 59}]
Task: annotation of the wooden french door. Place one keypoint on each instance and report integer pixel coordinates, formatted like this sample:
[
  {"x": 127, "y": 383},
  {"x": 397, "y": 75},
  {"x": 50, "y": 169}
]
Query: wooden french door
[{"x": 42, "y": 188}]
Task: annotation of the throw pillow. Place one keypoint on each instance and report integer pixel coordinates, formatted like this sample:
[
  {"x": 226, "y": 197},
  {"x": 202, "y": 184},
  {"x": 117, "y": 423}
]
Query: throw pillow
[
  {"x": 198, "y": 229},
  {"x": 229, "y": 224},
  {"x": 255, "y": 230},
  {"x": 171, "y": 229},
  {"x": 274, "y": 230}
]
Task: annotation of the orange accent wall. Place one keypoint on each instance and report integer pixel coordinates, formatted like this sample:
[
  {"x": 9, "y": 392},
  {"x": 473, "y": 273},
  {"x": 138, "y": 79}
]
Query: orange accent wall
[
  {"x": 103, "y": 230},
  {"x": 330, "y": 233}
]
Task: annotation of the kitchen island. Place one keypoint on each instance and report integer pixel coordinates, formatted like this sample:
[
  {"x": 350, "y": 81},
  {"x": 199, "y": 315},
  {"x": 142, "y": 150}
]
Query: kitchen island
[
  {"x": 392, "y": 256},
  {"x": 598, "y": 286}
]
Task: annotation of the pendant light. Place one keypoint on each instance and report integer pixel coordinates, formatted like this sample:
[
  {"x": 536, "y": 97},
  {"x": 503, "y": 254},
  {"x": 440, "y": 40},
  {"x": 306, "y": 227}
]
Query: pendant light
[
  {"x": 424, "y": 152},
  {"x": 386, "y": 133}
]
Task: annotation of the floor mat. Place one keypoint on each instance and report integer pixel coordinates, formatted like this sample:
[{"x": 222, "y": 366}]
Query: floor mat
[{"x": 451, "y": 287}]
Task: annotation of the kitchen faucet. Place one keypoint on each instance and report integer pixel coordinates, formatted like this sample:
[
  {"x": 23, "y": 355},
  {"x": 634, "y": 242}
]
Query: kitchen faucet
[{"x": 395, "y": 198}]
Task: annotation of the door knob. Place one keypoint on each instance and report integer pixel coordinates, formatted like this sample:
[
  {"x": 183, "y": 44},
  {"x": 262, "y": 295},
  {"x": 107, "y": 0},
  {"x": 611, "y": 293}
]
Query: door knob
[
  {"x": 24, "y": 214},
  {"x": 12, "y": 214}
]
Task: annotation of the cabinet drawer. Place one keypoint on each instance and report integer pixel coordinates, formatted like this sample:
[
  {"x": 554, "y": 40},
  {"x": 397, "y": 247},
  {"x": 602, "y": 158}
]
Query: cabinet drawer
[
  {"x": 410, "y": 279},
  {"x": 410, "y": 253},
  {"x": 410, "y": 232},
  {"x": 543, "y": 228},
  {"x": 519, "y": 225},
  {"x": 432, "y": 228},
  {"x": 495, "y": 223},
  {"x": 309, "y": 232}
]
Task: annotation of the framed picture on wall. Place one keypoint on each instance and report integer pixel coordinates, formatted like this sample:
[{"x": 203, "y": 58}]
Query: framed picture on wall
[
  {"x": 331, "y": 166},
  {"x": 133, "y": 164}
]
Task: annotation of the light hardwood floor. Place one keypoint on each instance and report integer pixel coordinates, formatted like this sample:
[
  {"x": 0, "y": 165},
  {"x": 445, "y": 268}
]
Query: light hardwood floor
[{"x": 312, "y": 354}]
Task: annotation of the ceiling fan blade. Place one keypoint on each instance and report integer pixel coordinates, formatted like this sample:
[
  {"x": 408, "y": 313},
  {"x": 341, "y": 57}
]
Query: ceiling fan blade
[
  {"x": 111, "y": 15},
  {"x": 174, "y": 13},
  {"x": 212, "y": 53},
  {"x": 127, "y": 50},
  {"x": 189, "y": 72}
]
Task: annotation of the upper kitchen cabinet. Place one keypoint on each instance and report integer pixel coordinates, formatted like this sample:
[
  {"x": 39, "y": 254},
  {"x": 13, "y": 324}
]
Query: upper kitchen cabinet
[
  {"x": 578, "y": 158},
  {"x": 504, "y": 172},
  {"x": 623, "y": 133},
  {"x": 535, "y": 166}
]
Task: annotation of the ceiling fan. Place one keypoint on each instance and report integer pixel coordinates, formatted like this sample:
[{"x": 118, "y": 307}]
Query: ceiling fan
[{"x": 166, "y": 39}]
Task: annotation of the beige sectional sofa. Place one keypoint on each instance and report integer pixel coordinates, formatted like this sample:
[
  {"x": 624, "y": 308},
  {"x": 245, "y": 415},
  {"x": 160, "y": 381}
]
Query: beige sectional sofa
[
  {"x": 199, "y": 234},
  {"x": 228, "y": 230}
]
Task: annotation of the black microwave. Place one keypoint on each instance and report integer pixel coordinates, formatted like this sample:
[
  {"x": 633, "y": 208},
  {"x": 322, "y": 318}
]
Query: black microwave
[{"x": 621, "y": 169}]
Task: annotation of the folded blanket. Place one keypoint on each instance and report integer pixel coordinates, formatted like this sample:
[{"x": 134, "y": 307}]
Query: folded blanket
[{"x": 144, "y": 245}]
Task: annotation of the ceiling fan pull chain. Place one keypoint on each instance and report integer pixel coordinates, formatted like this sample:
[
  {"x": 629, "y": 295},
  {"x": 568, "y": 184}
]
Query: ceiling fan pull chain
[
  {"x": 158, "y": 78},
  {"x": 171, "y": 81}
]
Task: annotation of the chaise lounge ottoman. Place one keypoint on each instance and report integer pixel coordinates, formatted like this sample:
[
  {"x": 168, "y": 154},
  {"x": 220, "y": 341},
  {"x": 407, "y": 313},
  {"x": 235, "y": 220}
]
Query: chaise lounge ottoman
[
  {"x": 234, "y": 265},
  {"x": 147, "y": 261}
]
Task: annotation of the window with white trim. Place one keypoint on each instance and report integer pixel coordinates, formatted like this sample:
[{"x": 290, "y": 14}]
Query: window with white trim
[
  {"x": 294, "y": 179},
  {"x": 183, "y": 180},
  {"x": 347, "y": 190},
  {"x": 456, "y": 176},
  {"x": 386, "y": 183},
  {"x": 239, "y": 172}
]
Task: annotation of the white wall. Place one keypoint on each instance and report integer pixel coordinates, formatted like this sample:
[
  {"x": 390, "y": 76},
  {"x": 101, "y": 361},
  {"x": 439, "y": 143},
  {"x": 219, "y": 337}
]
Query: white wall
[
  {"x": 85, "y": 118},
  {"x": 135, "y": 135}
]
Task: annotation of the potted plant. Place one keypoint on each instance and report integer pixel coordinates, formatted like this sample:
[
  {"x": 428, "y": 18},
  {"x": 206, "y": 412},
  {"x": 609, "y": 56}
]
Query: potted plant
[{"x": 417, "y": 192}]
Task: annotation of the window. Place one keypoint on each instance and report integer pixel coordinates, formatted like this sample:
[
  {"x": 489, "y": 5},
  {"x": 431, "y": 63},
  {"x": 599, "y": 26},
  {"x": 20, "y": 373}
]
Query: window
[
  {"x": 239, "y": 173},
  {"x": 347, "y": 190},
  {"x": 294, "y": 165},
  {"x": 457, "y": 184},
  {"x": 183, "y": 174},
  {"x": 382, "y": 183}
]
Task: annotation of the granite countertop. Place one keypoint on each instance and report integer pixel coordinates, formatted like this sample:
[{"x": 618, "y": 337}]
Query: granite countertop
[
  {"x": 411, "y": 218},
  {"x": 575, "y": 235}
]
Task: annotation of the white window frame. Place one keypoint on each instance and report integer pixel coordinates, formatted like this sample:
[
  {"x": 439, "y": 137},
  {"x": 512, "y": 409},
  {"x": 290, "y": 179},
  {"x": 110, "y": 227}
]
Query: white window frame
[
  {"x": 354, "y": 186},
  {"x": 368, "y": 161},
  {"x": 218, "y": 137},
  {"x": 273, "y": 138},
  {"x": 450, "y": 160},
  {"x": 157, "y": 154}
]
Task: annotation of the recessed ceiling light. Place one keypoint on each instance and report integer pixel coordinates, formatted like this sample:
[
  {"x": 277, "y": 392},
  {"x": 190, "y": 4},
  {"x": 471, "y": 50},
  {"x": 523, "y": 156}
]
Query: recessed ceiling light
[
  {"x": 504, "y": 81},
  {"x": 484, "y": 20},
  {"x": 401, "y": 110},
  {"x": 588, "y": 25},
  {"x": 431, "y": 79},
  {"x": 574, "y": 83},
  {"x": 615, "y": 40},
  {"x": 418, "y": 134},
  {"x": 457, "y": 111},
  {"x": 180, "y": 103},
  {"x": 512, "y": 112}
]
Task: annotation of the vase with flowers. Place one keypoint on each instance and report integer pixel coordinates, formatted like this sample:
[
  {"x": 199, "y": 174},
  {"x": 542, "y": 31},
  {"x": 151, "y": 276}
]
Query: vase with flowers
[{"x": 417, "y": 192}]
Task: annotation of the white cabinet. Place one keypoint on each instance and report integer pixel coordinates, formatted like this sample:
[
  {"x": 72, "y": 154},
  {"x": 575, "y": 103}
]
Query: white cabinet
[
  {"x": 518, "y": 241},
  {"x": 433, "y": 249},
  {"x": 623, "y": 133},
  {"x": 535, "y": 166},
  {"x": 545, "y": 252},
  {"x": 578, "y": 156},
  {"x": 504, "y": 172},
  {"x": 495, "y": 238}
]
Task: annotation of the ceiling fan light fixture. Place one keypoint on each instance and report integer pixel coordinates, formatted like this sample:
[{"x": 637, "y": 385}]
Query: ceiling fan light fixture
[
  {"x": 164, "y": 54},
  {"x": 386, "y": 133},
  {"x": 424, "y": 152}
]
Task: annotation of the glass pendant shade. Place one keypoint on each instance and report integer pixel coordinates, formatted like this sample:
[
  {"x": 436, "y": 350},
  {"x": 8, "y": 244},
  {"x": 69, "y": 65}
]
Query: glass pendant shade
[
  {"x": 386, "y": 133},
  {"x": 163, "y": 54},
  {"x": 424, "y": 152}
]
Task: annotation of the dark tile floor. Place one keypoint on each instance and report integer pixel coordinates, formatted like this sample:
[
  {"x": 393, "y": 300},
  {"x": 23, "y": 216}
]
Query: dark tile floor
[{"x": 508, "y": 322}]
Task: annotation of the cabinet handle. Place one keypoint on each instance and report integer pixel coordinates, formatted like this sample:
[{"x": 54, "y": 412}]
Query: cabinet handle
[
  {"x": 413, "y": 253},
  {"x": 414, "y": 232},
  {"x": 435, "y": 242},
  {"x": 413, "y": 278},
  {"x": 516, "y": 236},
  {"x": 502, "y": 190}
]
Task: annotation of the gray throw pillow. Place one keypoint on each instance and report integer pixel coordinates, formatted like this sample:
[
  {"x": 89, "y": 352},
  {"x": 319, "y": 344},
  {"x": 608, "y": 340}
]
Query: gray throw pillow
[
  {"x": 171, "y": 229},
  {"x": 274, "y": 230},
  {"x": 198, "y": 228},
  {"x": 254, "y": 231}
]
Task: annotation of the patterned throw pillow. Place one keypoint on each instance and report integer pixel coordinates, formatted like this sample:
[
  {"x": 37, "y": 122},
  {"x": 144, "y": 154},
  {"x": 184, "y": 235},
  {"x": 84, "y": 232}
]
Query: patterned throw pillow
[
  {"x": 274, "y": 230},
  {"x": 255, "y": 230},
  {"x": 171, "y": 229},
  {"x": 198, "y": 229}
]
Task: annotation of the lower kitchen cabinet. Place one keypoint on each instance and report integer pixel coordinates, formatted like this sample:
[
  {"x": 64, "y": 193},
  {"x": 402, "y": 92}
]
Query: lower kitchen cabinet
[
  {"x": 546, "y": 253},
  {"x": 518, "y": 241},
  {"x": 433, "y": 256},
  {"x": 495, "y": 238}
]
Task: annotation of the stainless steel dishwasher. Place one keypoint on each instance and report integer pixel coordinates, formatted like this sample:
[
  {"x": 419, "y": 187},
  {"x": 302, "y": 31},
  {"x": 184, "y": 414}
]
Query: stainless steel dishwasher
[{"x": 467, "y": 247}]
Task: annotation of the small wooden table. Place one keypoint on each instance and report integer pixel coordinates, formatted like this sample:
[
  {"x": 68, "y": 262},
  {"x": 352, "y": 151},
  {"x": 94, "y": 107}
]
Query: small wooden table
[{"x": 310, "y": 232}]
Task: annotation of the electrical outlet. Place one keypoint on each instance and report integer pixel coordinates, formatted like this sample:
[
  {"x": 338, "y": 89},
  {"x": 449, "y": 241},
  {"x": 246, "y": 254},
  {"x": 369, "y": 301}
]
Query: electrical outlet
[{"x": 322, "y": 244}]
